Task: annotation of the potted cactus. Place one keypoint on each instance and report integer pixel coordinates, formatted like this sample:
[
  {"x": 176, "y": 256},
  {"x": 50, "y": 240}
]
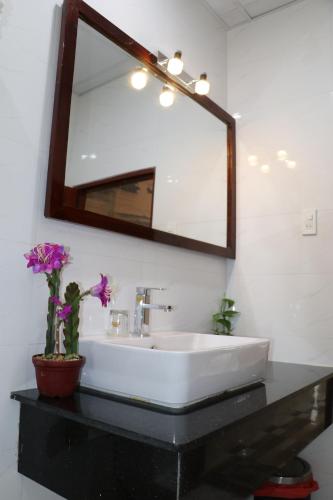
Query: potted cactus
[{"x": 57, "y": 372}]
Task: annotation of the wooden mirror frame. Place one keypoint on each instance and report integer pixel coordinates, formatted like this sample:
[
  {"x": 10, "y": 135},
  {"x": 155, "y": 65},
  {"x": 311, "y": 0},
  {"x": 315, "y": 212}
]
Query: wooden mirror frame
[{"x": 72, "y": 11}]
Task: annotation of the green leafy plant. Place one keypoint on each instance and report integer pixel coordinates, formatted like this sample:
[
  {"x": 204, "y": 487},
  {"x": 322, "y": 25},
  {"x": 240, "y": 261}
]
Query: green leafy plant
[{"x": 222, "y": 320}]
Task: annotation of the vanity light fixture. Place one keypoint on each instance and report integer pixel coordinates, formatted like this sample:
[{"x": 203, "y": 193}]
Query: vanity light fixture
[
  {"x": 202, "y": 86},
  {"x": 175, "y": 64},
  {"x": 167, "y": 96},
  {"x": 174, "y": 67},
  {"x": 139, "y": 78}
]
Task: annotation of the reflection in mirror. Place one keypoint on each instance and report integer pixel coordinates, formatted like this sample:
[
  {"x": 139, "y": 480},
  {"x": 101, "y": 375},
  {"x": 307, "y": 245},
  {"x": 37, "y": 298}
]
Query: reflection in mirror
[
  {"x": 126, "y": 197},
  {"x": 132, "y": 159}
]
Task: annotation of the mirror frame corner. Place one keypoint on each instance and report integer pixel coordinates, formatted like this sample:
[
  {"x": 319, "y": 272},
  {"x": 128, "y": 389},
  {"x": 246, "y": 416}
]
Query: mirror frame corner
[{"x": 72, "y": 12}]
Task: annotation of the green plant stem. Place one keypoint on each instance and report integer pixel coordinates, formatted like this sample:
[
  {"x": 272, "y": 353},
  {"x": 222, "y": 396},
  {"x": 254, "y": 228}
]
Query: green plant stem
[
  {"x": 57, "y": 336},
  {"x": 53, "y": 281},
  {"x": 71, "y": 324}
]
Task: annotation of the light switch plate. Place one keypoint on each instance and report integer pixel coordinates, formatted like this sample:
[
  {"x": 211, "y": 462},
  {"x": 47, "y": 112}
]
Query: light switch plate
[{"x": 309, "y": 222}]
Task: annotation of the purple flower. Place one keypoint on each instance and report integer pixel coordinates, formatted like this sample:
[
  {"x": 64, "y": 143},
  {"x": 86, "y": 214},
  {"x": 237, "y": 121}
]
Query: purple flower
[
  {"x": 102, "y": 290},
  {"x": 55, "y": 300},
  {"x": 64, "y": 312},
  {"x": 46, "y": 257}
]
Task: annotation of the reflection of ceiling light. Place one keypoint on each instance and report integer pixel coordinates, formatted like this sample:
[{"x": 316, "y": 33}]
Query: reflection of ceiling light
[
  {"x": 171, "y": 180},
  {"x": 237, "y": 116},
  {"x": 175, "y": 64},
  {"x": 265, "y": 169},
  {"x": 92, "y": 156},
  {"x": 167, "y": 96},
  {"x": 282, "y": 155},
  {"x": 253, "y": 160},
  {"x": 291, "y": 163},
  {"x": 202, "y": 86},
  {"x": 139, "y": 78}
]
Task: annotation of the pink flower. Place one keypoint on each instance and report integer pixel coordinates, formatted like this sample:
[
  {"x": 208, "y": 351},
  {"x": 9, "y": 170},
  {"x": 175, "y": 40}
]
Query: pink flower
[
  {"x": 55, "y": 300},
  {"x": 102, "y": 290},
  {"x": 46, "y": 257},
  {"x": 64, "y": 312}
]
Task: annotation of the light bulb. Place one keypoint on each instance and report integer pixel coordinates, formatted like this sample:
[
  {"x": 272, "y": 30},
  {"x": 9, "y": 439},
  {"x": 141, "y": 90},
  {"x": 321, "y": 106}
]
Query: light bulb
[
  {"x": 253, "y": 160},
  {"x": 175, "y": 64},
  {"x": 139, "y": 78},
  {"x": 282, "y": 155},
  {"x": 167, "y": 96},
  {"x": 202, "y": 86},
  {"x": 291, "y": 163},
  {"x": 265, "y": 169}
]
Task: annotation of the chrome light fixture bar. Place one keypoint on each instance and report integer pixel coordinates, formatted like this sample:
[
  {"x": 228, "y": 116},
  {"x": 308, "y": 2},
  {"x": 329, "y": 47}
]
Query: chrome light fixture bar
[{"x": 200, "y": 86}]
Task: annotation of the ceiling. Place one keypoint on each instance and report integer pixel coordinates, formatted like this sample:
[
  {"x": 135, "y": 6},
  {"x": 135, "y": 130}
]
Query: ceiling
[{"x": 236, "y": 12}]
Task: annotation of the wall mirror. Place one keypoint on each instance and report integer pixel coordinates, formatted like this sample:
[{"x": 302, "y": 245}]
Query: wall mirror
[{"x": 119, "y": 160}]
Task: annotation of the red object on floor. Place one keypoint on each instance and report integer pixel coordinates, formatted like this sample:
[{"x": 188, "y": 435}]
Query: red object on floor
[{"x": 297, "y": 491}]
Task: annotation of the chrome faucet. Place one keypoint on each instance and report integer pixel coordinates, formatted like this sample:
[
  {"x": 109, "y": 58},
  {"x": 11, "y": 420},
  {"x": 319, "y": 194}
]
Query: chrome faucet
[{"x": 142, "y": 309}]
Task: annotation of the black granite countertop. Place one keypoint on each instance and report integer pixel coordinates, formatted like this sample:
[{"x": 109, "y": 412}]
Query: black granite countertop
[{"x": 178, "y": 431}]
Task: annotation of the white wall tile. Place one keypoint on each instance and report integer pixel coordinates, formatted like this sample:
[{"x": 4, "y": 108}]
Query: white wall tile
[
  {"x": 11, "y": 485},
  {"x": 32, "y": 490},
  {"x": 280, "y": 78},
  {"x": 319, "y": 455},
  {"x": 282, "y": 279}
]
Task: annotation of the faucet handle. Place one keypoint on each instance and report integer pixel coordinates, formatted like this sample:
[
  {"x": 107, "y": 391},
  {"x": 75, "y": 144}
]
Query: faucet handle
[{"x": 143, "y": 290}]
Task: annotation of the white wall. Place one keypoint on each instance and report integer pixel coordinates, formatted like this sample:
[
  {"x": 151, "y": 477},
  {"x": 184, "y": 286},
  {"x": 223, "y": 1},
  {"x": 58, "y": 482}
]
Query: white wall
[
  {"x": 28, "y": 49},
  {"x": 280, "y": 78}
]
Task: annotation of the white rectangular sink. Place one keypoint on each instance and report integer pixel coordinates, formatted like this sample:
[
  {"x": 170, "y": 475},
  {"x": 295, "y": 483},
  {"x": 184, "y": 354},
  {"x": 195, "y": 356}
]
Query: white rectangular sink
[{"x": 173, "y": 369}]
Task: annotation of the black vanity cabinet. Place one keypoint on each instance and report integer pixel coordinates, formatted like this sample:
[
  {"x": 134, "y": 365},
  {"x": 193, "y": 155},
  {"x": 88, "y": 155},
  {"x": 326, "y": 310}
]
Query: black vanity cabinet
[{"x": 92, "y": 447}]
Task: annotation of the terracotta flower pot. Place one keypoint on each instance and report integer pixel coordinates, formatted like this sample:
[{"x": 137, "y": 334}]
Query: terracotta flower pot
[{"x": 57, "y": 378}]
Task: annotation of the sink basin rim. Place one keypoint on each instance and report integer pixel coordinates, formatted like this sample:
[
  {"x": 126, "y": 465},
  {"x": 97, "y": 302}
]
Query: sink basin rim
[{"x": 122, "y": 343}]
